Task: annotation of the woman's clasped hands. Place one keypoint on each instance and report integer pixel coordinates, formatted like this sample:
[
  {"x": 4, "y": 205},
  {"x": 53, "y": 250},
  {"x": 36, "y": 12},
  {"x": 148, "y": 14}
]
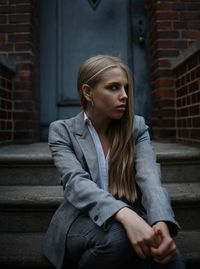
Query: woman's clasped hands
[{"x": 148, "y": 242}]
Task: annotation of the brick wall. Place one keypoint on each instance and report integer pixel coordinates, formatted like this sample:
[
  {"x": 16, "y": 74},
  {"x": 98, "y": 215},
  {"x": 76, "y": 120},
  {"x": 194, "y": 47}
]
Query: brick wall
[
  {"x": 6, "y": 115},
  {"x": 174, "y": 26},
  {"x": 187, "y": 92},
  {"x": 18, "y": 41}
]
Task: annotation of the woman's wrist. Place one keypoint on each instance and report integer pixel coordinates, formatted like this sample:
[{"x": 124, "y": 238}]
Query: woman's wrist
[{"x": 120, "y": 215}]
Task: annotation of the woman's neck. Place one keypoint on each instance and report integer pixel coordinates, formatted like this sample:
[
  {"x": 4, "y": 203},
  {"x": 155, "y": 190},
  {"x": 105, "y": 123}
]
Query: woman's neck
[{"x": 100, "y": 123}]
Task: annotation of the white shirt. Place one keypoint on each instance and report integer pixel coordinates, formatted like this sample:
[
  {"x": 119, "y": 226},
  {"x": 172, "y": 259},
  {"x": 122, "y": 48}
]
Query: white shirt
[{"x": 102, "y": 180}]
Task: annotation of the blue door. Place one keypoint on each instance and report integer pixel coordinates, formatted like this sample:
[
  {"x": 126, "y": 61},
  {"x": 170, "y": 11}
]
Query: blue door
[{"x": 73, "y": 30}]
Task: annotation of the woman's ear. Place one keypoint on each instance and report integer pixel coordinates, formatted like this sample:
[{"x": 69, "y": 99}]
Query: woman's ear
[{"x": 87, "y": 92}]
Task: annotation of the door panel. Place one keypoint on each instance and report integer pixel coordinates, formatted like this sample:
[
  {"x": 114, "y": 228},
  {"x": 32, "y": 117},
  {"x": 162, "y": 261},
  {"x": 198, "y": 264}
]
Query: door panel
[{"x": 70, "y": 32}]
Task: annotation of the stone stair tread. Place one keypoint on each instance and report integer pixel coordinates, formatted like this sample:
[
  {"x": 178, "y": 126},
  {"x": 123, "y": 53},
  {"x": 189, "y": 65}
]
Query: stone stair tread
[
  {"x": 48, "y": 195},
  {"x": 22, "y": 250},
  {"x": 188, "y": 242},
  {"x": 182, "y": 192},
  {"x": 28, "y": 153},
  {"x": 175, "y": 151},
  {"x": 17, "y": 196},
  {"x": 25, "y": 249},
  {"x": 40, "y": 152}
]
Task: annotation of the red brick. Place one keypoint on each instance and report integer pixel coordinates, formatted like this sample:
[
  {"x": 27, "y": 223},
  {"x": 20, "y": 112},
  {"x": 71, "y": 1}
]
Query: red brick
[
  {"x": 23, "y": 47},
  {"x": 164, "y": 5},
  {"x": 165, "y": 44},
  {"x": 5, "y": 136},
  {"x": 195, "y": 134},
  {"x": 194, "y": 86},
  {"x": 182, "y": 91},
  {"x": 164, "y": 83},
  {"x": 193, "y": 25},
  {"x": 6, "y": 9},
  {"x": 185, "y": 15},
  {"x": 3, "y": 38},
  {"x": 196, "y": 122},
  {"x": 22, "y": 115},
  {"x": 22, "y": 95},
  {"x": 164, "y": 25},
  {"x": 3, "y": 2},
  {"x": 192, "y": 62},
  {"x": 21, "y": 57},
  {"x": 20, "y": 1},
  {"x": 23, "y": 8},
  {"x": 178, "y": 25},
  {"x": 25, "y": 75},
  {"x": 6, "y": 47},
  {"x": 20, "y": 37},
  {"x": 6, "y": 104},
  {"x": 170, "y": 15},
  {"x": 19, "y": 18},
  {"x": 194, "y": 110},
  {"x": 165, "y": 93},
  {"x": 167, "y": 53},
  {"x": 192, "y": 6},
  {"x": 15, "y": 28},
  {"x": 3, "y": 19},
  {"x": 191, "y": 34},
  {"x": 164, "y": 63},
  {"x": 23, "y": 85},
  {"x": 167, "y": 34}
]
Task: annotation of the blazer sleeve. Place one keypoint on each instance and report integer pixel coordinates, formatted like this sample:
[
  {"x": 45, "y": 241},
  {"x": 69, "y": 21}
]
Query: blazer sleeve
[
  {"x": 79, "y": 190},
  {"x": 155, "y": 198}
]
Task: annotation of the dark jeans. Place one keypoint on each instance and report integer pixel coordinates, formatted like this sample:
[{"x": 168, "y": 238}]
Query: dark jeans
[{"x": 93, "y": 247}]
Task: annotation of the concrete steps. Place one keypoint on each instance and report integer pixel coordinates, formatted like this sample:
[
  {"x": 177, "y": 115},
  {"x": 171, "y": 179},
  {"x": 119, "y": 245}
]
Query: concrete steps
[
  {"x": 32, "y": 164},
  {"x": 31, "y": 207},
  {"x": 30, "y": 194},
  {"x": 24, "y": 250}
]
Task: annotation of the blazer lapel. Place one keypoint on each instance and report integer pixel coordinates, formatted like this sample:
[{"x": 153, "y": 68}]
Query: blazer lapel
[{"x": 87, "y": 145}]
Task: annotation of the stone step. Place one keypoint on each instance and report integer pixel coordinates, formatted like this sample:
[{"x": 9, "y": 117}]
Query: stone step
[
  {"x": 179, "y": 163},
  {"x": 30, "y": 208},
  {"x": 32, "y": 164},
  {"x": 29, "y": 164},
  {"x": 24, "y": 250}
]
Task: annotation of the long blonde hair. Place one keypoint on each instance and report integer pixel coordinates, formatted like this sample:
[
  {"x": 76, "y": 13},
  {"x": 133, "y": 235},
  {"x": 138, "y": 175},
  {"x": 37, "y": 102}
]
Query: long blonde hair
[{"x": 121, "y": 170}]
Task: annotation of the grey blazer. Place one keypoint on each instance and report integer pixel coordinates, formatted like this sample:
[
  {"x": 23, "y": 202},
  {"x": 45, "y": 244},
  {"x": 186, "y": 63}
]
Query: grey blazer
[{"x": 75, "y": 157}]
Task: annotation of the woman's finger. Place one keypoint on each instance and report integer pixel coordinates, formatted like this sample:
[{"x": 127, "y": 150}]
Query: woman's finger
[{"x": 167, "y": 259}]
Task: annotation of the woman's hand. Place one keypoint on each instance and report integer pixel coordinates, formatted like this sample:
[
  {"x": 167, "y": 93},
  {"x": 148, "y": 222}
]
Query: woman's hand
[
  {"x": 141, "y": 236},
  {"x": 166, "y": 251}
]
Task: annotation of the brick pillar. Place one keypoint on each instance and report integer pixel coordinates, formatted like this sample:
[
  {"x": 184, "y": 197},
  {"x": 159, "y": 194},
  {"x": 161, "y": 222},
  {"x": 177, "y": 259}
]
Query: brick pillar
[
  {"x": 174, "y": 25},
  {"x": 187, "y": 87},
  {"x": 19, "y": 43},
  {"x": 6, "y": 104}
]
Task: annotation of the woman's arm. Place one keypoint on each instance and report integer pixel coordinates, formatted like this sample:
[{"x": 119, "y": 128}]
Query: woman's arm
[
  {"x": 79, "y": 189},
  {"x": 155, "y": 198}
]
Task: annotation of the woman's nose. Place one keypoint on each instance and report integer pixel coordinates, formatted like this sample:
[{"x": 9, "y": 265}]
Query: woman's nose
[{"x": 123, "y": 94}]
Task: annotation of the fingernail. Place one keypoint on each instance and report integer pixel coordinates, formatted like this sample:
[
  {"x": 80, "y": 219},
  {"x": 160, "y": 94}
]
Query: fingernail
[{"x": 158, "y": 232}]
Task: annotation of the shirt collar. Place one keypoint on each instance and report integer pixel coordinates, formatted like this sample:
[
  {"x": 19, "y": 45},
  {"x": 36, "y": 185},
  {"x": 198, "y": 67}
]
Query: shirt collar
[{"x": 86, "y": 119}]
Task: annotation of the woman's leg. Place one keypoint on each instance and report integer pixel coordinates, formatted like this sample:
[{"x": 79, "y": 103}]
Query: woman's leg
[{"x": 94, "y": 247}]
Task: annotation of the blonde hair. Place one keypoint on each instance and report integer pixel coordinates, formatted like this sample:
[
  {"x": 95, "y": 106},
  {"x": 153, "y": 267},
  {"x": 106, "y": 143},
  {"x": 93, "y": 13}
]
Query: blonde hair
[{"x": 121, "y": 170}]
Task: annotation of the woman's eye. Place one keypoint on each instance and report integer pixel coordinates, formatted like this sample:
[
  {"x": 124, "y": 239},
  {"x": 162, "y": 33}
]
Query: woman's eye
[{"x": 113, "y": 88}]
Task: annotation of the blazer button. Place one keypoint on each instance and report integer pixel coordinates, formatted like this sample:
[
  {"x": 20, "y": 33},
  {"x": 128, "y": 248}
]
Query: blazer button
[{"x": 96, "y": 218}]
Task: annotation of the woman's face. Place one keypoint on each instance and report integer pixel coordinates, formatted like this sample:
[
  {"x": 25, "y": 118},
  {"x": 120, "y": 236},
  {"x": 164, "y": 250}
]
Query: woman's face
[{"x": 110, "y": 95}]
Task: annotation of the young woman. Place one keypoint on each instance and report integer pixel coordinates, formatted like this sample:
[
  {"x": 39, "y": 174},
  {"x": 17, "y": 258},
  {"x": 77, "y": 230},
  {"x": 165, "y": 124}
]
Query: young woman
[{"x": 115, "y": 213}]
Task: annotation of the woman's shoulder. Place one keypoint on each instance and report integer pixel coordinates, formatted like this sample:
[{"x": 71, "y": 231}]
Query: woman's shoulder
[
  {"x": 67, "y": 122},
  {"x": 139, "y": 125}
]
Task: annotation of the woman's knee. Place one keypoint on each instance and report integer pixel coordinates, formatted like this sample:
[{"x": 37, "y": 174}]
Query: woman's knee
[{"x": 114, "y": 243}]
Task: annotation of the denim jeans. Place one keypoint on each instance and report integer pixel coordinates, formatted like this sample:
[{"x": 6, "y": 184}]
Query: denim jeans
[{"x": 106, "y": 247}]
